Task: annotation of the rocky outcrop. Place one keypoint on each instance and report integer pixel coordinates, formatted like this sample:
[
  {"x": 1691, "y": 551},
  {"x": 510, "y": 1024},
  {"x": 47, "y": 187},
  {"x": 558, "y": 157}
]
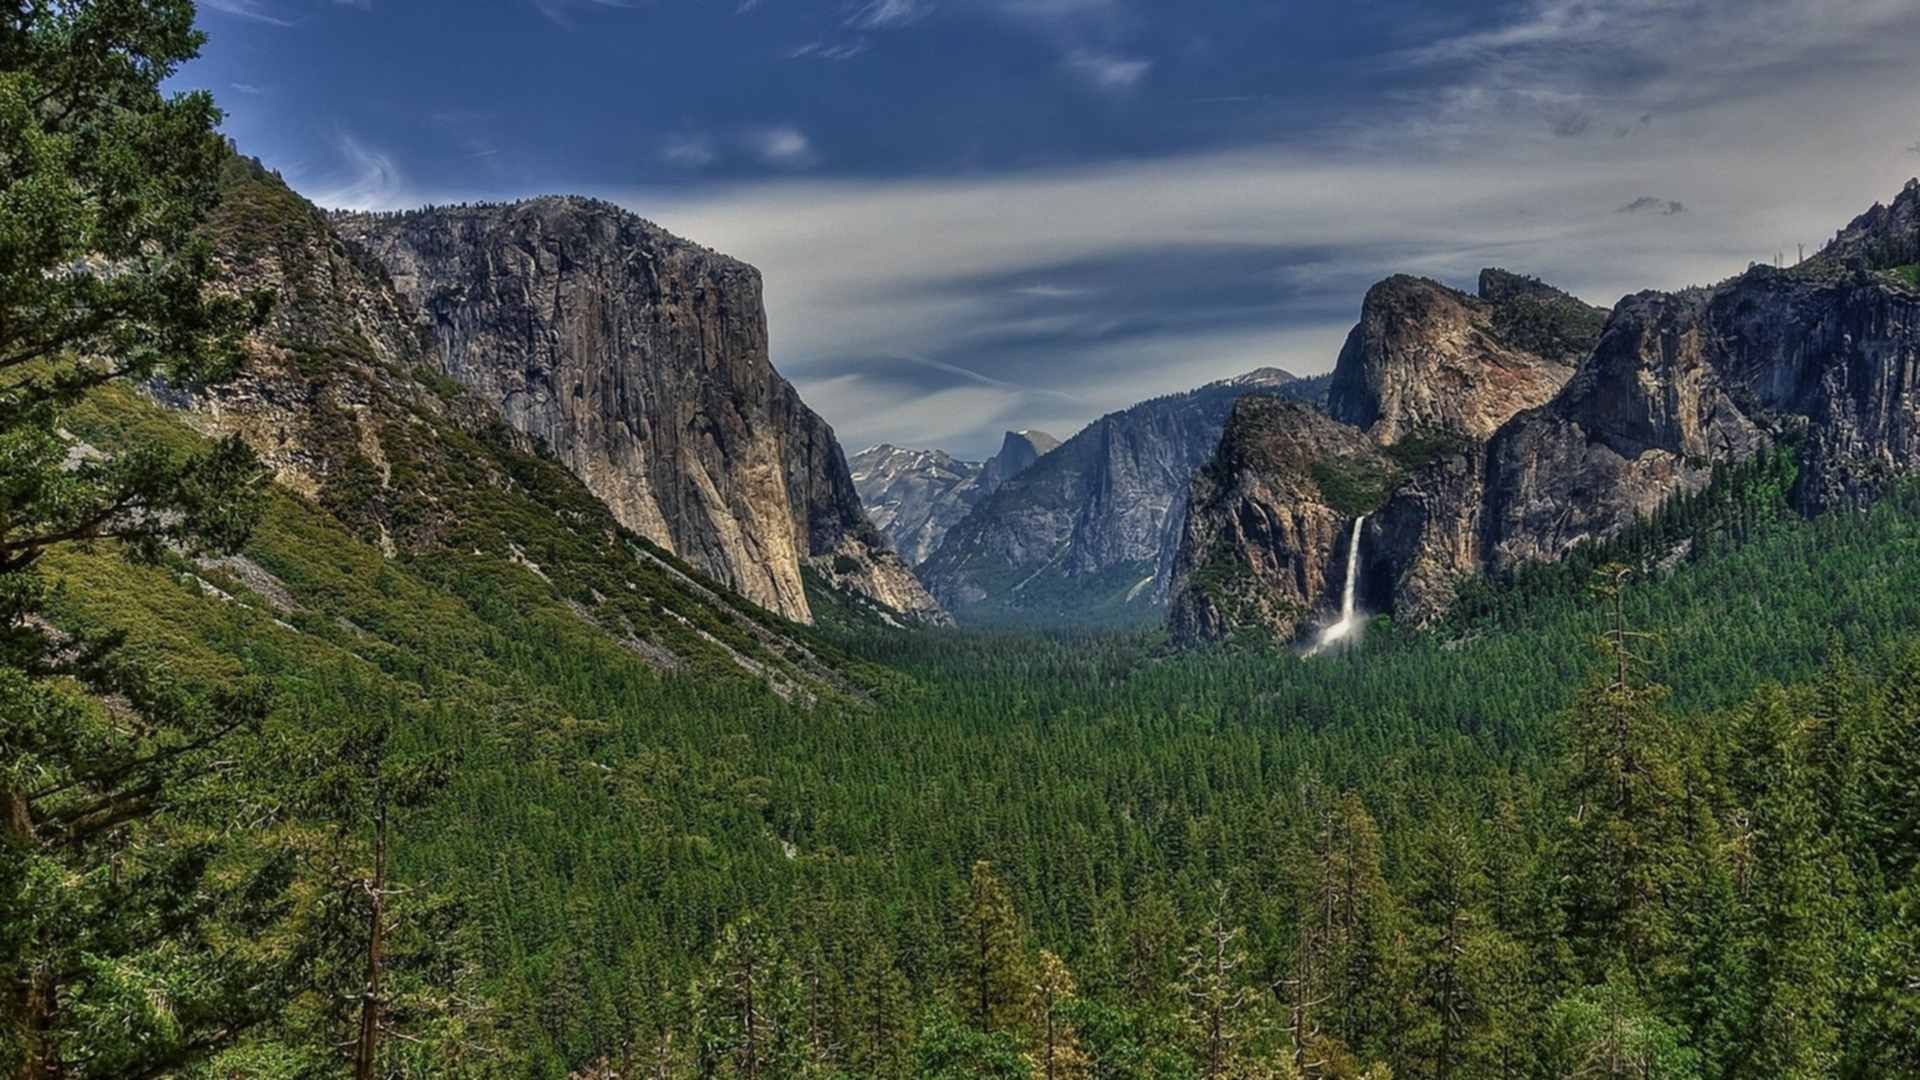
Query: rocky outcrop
[
  {"x": 1087, "y": 534},
  {"x": 640, "y": 361},
  {"x": 915, "y": 496},
  {"x": 1018, "y": 451},
  {"x": 340, "y": 397},
  {"x": 1426, "y": 358},
  {"x": 1824, "y": 356},
  {"x": 1263, "y": 546}
]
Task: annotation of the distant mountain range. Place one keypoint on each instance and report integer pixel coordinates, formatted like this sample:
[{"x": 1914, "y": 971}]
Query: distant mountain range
[
  {"x": 914, "y": 496},
  {"x": 1087, "y": 532},
  {"x": 1474, "y": 432}
]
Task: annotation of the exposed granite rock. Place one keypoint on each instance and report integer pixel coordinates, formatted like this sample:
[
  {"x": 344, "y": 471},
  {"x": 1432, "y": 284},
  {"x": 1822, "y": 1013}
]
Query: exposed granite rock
[
  {"x": 1683, "y": 380},
  {"x": 1263, "y": 535},
  {"x": 340, "y": 398},
  {"x": 1425, "y": 357},
  {"x": 1826, "y": 354},
  {"x": 1088, "y": 533},
  {"x": 914, "y": 496},
  {"x": 1018, "y": 451},
  {"x": 640, "y": 361}
]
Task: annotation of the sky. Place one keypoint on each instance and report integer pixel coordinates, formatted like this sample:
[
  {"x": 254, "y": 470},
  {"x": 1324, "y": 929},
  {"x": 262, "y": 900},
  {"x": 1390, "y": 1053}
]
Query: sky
[{"x": 982, "y": 215}]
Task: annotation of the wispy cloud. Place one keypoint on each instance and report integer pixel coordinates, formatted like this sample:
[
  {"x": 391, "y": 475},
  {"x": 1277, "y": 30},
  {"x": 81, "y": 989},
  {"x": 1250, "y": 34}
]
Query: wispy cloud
[
  {"x": 247, "y": 9},
  {"x": 1053, "y": 292},
  {"x": 822, "y": 50},
  {"x": 365, "y": 178},
  {"x": 893, "y": 269},
  {"x": 247, "y": 88},
  {"x": 886, "y": 14},
  {"x": 1577, "y": 62},
  {"x": 561, "y": 11},
  {"x": 785, "y": 146},
  {"x": 1105, "y": 71},
  {"x": 690, "y": 151}
]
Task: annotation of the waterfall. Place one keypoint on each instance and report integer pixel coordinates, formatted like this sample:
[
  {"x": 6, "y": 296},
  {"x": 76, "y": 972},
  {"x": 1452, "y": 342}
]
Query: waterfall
[{"x": 1339, "y": 631}]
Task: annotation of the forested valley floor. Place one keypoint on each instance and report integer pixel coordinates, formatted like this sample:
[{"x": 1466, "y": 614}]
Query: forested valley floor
[
  {"x": 1521, "y": 844},
  {"x": 344, "y": 732}
]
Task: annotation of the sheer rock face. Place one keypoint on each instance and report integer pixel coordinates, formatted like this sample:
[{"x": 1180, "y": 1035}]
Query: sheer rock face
[
  {"x": 1088, "y": 532},
  {"x": 1263, "y": 547},
  {"x": 1681, "y": 381},
  {"x": 1427, "y": 358},
  {"x": 1018, "y": 451},
  {"x": 1826, "y": 354},
  {"x": 1436, "y": 373},
  {"x": 640, "y": 361},
  {"x": 915, "y": 496}
]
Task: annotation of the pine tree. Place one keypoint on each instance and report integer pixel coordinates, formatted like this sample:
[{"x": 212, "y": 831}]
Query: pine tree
[
  {"x": 881, "y": 1027},
  {"x": 1056, "y": 1053},
  {"x": 1446, "y": 904},
  {"x": 1346, "y": 970},
  {"x": 104, "y": 277},
  {"x": 1221, "y": 1006},
  {"x": 1621, "y": 785},
  {"x": 1800, "y": 913},
  {"x": 386, "y": 952},
  {"x": 990, "y": 970},
  {"x": 749, "y": 1006}
]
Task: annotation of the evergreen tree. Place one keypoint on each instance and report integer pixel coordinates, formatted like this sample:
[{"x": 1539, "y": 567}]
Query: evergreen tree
[
  {"x": 1056, "y": 1052},
  {"x": 989, "y": 961},
  {"x": 749, "y": 1006},
  {"x": 109, "y": 810},
  {"x": 881, "y": 1024},
  {"x": 1348, "y": 971},
  {"x": 1799, "y": 915},
  {"x": 1607, "y": 1032},
  {"x": 390, "y": 958},
  {"x": 1448, "y": 883},
  {"x": 1222, "y": 1008},
  {"x": 1621, "y": 790}
]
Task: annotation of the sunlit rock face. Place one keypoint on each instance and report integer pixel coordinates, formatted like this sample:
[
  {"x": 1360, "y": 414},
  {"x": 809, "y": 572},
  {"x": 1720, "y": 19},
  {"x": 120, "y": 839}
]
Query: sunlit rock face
[
  {"x": 640, "y": 361},
  {"x": 1514, "y": 426},
  {"x": 1425, "y": 379},
  {"x": 1428, "y": 358},
  {"x": 1088, "y": 533}
]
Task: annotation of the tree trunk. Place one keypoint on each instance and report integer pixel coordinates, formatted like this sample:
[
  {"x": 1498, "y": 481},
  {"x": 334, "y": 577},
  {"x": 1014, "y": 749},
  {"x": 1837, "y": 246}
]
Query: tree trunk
[
  {"x": 33, "y": 994},
  {"x": 367, "y": 1054}
]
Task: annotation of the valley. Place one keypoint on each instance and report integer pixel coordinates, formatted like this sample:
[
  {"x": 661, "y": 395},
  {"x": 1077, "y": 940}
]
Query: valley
[{"x": 436, "y": 640}]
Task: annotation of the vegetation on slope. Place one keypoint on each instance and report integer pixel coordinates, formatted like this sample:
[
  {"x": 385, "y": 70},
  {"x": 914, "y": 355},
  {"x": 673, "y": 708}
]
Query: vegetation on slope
[{"x": 281, "y": 803}]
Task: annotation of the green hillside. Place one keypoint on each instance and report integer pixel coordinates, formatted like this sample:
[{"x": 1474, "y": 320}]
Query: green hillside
[
  {"x": 343, "y": 733},
  {"x": 603, "y": 823}
]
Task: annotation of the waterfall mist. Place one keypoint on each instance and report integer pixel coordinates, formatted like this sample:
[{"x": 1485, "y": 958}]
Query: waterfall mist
[{"x": 1345, "y": 632}]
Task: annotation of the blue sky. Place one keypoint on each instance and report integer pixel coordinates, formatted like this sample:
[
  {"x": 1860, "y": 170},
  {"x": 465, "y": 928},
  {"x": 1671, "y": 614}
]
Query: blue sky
[{"x": 984, "y": 214}]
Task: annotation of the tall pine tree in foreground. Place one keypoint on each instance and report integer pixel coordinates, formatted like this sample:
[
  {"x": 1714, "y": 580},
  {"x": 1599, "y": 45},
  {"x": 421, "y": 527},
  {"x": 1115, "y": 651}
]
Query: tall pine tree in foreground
[{"x": 118, "y": 786}]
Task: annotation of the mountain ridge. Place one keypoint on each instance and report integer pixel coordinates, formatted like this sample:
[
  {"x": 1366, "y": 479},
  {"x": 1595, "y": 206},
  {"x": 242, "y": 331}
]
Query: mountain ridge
[
  {"x": 641, "y": 361},
  {"x": 1821, "y": 356},
  {"x": 1087, "y": 534},
  {"x": 915, "y": 496}
]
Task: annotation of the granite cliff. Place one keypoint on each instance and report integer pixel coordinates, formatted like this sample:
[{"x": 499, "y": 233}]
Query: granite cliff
[
  {"x": 341, "y": 399},
  {"x": 1488, "y": 464},
  {"x": 640, "y": 361},
  {"x": 1087, "y": 534},
  {"x": 914, "y": 496}
]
